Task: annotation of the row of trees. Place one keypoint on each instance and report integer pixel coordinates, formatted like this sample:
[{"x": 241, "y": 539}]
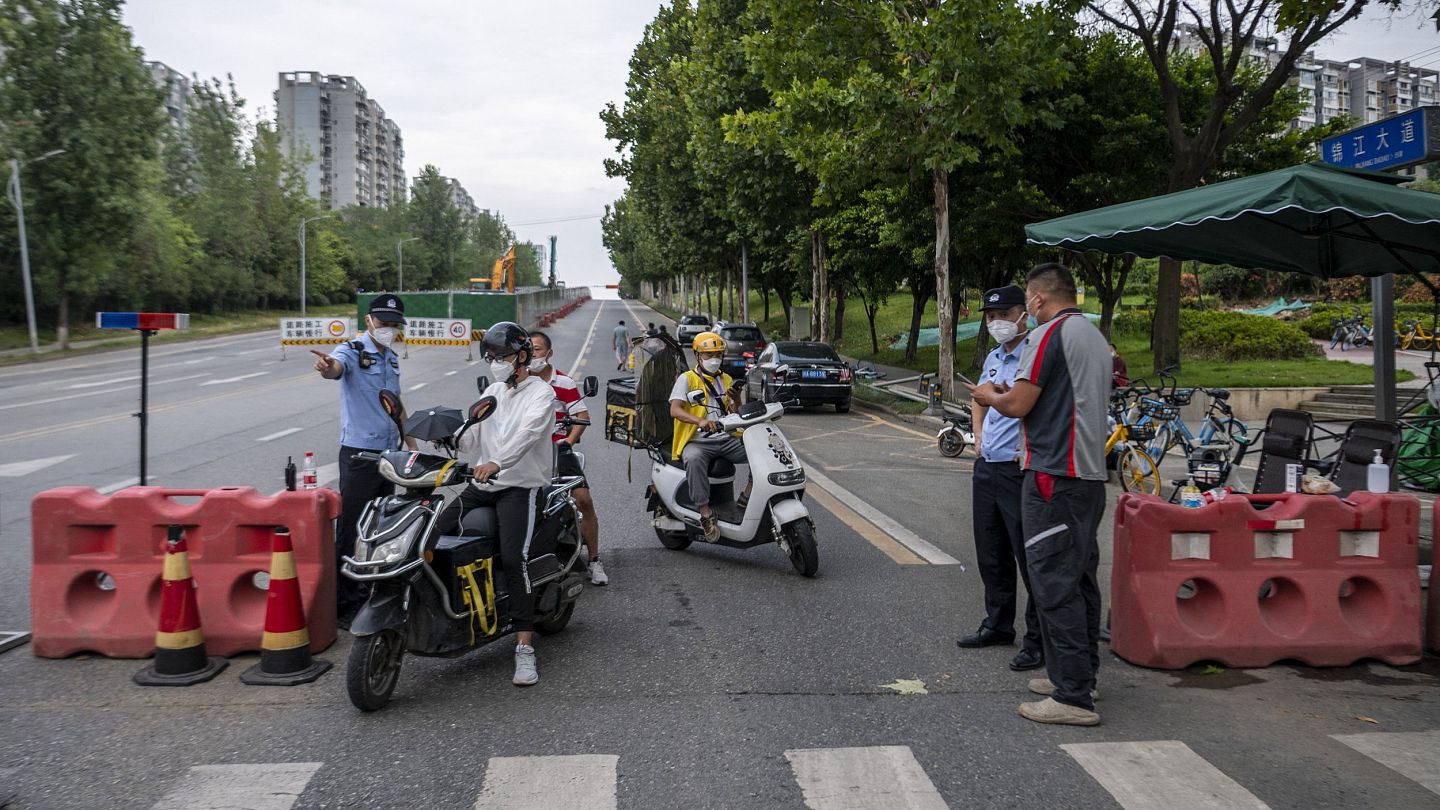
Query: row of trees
[
  {"x": 135, "y": 214},
  {"x": 853, "y": 148}
]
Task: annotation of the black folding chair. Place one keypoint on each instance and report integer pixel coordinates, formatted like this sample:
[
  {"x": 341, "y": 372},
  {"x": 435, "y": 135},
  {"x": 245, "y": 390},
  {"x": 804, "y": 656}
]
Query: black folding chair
[
  {"x": 1357, "y": 452},
  {"x": 1287, "y": 439}
]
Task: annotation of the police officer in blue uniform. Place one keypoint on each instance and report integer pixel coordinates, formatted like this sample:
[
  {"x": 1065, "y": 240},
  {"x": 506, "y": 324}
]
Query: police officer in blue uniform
[
  {"x": 364, "y": 367},
  {"x": 999, "y": 541}
]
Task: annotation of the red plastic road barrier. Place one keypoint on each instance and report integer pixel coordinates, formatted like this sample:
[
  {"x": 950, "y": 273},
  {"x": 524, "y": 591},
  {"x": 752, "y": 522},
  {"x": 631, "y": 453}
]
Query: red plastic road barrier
[
  {"x": 1432, "y": 609},
  {"x": 1334, "y": 583},
  {"x": 95, "y": 582}
]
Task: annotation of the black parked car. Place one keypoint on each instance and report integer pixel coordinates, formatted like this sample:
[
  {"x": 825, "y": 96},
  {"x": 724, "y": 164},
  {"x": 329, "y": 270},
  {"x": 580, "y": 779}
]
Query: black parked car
[{"x": 808, "y": 371}]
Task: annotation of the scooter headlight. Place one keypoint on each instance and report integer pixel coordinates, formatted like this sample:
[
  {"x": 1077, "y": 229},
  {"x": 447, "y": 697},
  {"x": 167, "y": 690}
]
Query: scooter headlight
[
  {"x": 393, "y": 551},
  {"x": 787, "y": 478}
]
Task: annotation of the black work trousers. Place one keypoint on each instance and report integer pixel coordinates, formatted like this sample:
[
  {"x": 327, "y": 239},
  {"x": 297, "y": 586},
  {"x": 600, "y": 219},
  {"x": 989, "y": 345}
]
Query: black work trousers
[
  {"x": 515, "y": 512},
  {"x": 1062, "y": 516},
  {"x": 360, "y": 483},
  {"x": 1000, "y": 545}
]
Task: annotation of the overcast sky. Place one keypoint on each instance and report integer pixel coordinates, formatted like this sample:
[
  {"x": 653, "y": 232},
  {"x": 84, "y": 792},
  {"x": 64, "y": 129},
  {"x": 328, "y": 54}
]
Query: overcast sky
[{"x": 503, "y": 96}]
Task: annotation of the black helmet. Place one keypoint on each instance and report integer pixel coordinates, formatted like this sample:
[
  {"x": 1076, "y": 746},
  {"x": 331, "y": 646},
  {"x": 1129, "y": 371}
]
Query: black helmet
[{"x": 504, "y": 339}]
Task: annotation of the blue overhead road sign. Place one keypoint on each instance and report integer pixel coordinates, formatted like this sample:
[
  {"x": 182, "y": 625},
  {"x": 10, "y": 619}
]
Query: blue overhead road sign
[{"x": 1394, "y": 143}]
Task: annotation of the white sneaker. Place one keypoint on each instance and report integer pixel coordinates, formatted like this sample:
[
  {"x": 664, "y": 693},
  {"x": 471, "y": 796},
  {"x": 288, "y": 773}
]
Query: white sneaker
[
  {"x": 525, "y": 672},
  {"x": 597, "y": 573}
]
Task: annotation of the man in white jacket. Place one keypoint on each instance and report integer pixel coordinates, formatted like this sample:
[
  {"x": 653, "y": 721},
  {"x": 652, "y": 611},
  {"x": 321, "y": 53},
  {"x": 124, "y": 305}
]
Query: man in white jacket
[{"x": 512, "y": 462}]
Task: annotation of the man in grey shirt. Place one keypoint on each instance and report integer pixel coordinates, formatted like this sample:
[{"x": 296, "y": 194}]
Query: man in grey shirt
[
  {"x": 620, "y": 341},
  {"x": 1061, "y": 393}
]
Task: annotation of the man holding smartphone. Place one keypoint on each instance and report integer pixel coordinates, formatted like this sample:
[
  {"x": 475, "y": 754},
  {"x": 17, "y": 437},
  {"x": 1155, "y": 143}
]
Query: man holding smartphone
[{"x": 995, "y": 490}]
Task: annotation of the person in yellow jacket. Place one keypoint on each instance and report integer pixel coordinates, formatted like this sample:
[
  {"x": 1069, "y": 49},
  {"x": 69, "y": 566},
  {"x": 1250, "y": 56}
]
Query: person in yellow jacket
[{"x": 698, "y": 439}]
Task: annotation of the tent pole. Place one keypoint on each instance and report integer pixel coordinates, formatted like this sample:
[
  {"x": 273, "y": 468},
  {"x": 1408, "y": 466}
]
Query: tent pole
[{"x": 1382, "y": 304}]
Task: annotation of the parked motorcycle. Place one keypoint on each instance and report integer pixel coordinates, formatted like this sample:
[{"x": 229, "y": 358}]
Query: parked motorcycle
[
  {"x": 775, "y": 513},
  {"x": 958, "y": 432},
  {"x": 437, "y": 595}
]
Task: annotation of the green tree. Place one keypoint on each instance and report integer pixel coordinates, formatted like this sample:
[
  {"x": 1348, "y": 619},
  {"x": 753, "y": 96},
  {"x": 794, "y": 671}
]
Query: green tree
[
  {"x": 71, "y": 79},
  {"x": 440, "y": 224}
]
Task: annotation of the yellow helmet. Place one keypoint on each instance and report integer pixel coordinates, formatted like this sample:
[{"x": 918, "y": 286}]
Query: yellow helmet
[{"x": 708, "y": 342}]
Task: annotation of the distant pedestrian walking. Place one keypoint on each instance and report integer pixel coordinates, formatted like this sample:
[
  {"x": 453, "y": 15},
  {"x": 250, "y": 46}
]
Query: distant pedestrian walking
[{"x": 620, "y": 341}]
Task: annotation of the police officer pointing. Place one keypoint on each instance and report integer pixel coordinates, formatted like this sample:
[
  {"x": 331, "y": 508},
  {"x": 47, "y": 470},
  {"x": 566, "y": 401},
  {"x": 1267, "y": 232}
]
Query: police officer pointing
[{"x": 365, "y": 367}]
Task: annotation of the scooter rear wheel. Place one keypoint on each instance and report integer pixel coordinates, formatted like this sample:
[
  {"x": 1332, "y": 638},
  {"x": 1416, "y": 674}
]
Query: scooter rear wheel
[
  {"x": 551, "y": 625},
  {"x": 951, "y": 444},
  {"x": 675, "y": 541},
  {"x": 374, "y": 669},
  {"x": 804, "y": 554}
]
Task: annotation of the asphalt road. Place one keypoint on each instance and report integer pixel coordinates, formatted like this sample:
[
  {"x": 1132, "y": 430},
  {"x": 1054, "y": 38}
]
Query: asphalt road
[{"x": 705, "y": 678}]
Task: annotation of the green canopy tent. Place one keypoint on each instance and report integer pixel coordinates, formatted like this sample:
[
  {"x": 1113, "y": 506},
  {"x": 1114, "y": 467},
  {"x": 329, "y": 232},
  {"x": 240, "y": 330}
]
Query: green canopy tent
[{"x": 1314, "y": 218}]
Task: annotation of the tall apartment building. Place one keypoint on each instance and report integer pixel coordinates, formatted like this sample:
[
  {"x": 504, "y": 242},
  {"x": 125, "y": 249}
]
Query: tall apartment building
[
  {"x": 353, "y": 153},
  {"x": 177, "y": 92},
  {"x": 461, "y": 198},
  {"x": 1365, "y": 89}
]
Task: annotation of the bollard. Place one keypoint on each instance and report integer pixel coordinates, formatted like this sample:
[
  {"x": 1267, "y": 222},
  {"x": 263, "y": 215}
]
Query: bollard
[{"x": 937, "y": 404}]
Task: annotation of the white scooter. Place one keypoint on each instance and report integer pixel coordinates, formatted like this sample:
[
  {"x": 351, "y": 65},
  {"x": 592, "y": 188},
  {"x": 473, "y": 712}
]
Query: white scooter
[{"x": 775, "y": 512}]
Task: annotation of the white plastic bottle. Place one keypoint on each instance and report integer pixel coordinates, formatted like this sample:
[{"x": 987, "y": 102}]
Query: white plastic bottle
[
  {"x": 1377, "y": 475},
  {"x": 311, "y": 477},
  {"x": 1190, "y": 496}
]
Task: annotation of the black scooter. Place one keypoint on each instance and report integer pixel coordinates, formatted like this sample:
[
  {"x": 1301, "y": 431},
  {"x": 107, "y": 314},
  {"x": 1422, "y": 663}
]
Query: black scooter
[{"x": 437, "y": 595}]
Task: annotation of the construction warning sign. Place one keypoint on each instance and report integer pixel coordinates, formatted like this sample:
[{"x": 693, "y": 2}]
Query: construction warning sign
[
  {"x": 437, "y": 332},
  {"x": 315, "y": 331}
]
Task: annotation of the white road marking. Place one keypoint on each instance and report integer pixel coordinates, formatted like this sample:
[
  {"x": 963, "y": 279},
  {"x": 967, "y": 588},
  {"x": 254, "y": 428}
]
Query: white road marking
[
  {"x": 417, "y": 386},
  {"x": 586, "y": 782},
  {"x": 922, "y": 548},
  {"x": 134, "y": 387},
  {"x": 329, "y": 472},
  {"x": 266, "y": 786},
  {"x": 451, "y": 373},
  {"x": 585, "y": 344},
  {"x": 1160, "y": 775},
  {"x": 883, "y": 777},
  {"x": 1414, "y": 754},
  {"x": 235, "y": 379},
  {"x": 99, "y": 383},
  {"x": 118, "y": 485},
  {"x": 16, "y": 469},
  {"x": 281, "y": 434}
]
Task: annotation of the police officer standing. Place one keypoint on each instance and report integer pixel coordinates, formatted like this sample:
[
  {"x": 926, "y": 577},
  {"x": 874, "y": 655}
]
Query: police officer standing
[
  {"x": 999, "y": 543},
  {"x": 364, "y": 367}
]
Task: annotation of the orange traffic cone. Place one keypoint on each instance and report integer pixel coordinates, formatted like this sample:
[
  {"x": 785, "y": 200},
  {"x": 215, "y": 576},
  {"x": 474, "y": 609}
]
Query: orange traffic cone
[
  {"x": 285, "y": 647},
  {"x": 180, "y": 658}
]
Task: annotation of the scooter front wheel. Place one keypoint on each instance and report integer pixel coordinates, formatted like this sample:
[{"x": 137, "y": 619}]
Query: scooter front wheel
[
  {"x": 803, "y": 553},
  {"x": 374, "y": 669}
]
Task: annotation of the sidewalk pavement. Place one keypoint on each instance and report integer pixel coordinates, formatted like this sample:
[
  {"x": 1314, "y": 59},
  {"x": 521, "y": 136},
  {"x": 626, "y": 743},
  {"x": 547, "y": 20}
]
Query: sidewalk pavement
[{"x": 1409, "y": 360}]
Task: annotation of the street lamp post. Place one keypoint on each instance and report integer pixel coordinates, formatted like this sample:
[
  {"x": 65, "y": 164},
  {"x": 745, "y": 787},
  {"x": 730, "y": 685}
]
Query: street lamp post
[
  {"x": 17, "y": 199},
  {"x": 400, "y": 254},
  {"x": 303, "y": 223}
]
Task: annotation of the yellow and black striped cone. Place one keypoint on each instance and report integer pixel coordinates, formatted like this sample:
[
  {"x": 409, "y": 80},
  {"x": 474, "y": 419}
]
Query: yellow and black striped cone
[
  {"x": 180, "y": 658},
  {"x": 285, "y": 647}
]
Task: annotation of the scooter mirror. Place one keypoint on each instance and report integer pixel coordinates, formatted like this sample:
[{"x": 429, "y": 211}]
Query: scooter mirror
[
  {"x": 783, "y": 368},
  {"x": 482, "y": 382},
  {"x": 482, "y": 409},
  {"x": 695, "y": 397},
  {"x": 390, "y": 401},
  {"x": 590, "y": 386}
]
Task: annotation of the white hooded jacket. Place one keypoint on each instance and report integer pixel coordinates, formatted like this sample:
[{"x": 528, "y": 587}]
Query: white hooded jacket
[{"x": 516, "y": 436}]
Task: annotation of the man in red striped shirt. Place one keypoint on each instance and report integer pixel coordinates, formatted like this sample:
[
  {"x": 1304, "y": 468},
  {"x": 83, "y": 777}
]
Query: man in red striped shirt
[{"x": 570, "y": 402}]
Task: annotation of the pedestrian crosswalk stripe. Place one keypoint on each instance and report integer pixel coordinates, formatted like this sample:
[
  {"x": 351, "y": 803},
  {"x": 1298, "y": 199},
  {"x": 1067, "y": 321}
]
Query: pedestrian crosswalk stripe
[
  {"x": 883, "y": 777},
  {"x": 1160, "y": 775},
  {"x": 585, "y": 782},
  {"x": 1415, "y": 754},
  {"x": 268, "y": 786}
]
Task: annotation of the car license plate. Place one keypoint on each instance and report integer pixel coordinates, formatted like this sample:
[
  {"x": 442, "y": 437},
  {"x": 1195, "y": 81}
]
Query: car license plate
[{"x": 812, "y": 374}]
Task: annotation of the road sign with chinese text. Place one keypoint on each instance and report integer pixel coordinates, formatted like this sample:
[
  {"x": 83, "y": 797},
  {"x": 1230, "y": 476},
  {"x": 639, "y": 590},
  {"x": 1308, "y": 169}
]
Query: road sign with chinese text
[{"x": 1394, "y": 143}]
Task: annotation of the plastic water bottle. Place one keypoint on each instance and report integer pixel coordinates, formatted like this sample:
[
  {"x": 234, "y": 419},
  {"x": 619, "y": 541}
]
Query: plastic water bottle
[
  {"x": 1190, "y": 496},
  {"x": 311, "y": 477},
  {"x": 1377, "y": 475}
]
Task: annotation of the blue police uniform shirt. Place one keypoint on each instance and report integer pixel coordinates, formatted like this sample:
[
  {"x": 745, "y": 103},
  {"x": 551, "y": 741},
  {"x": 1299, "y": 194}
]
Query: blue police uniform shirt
[
  {"x": 363, "y": 422},
  {"x": 1000, "y": 435}
]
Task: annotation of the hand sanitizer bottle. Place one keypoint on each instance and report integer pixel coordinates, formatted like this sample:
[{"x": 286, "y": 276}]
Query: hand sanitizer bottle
[{"x": 1377, "y": 475}]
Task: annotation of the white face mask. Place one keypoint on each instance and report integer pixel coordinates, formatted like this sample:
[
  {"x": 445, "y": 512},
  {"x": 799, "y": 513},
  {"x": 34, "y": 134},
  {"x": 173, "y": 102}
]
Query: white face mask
[
  {"x": 538, "y": 364},
  {"x": 501, "y": 370},
  {"x": 384, "y": 335},
  {"x": 1003, "y": 331},
  {"x": 711, "y": 365}
]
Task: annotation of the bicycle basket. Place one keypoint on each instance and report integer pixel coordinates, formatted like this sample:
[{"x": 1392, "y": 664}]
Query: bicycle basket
[
  {"x": 1181, "y": 397},
  {"x": 1141, "y": 433}
]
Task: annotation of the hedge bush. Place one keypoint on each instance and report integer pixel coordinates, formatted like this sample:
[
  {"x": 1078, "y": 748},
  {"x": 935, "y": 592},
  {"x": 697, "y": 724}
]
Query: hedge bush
[{"x": 1229, "y": 336}]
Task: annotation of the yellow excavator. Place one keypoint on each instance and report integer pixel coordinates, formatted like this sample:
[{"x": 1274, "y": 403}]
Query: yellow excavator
[{"x": 503, "y": 273}]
